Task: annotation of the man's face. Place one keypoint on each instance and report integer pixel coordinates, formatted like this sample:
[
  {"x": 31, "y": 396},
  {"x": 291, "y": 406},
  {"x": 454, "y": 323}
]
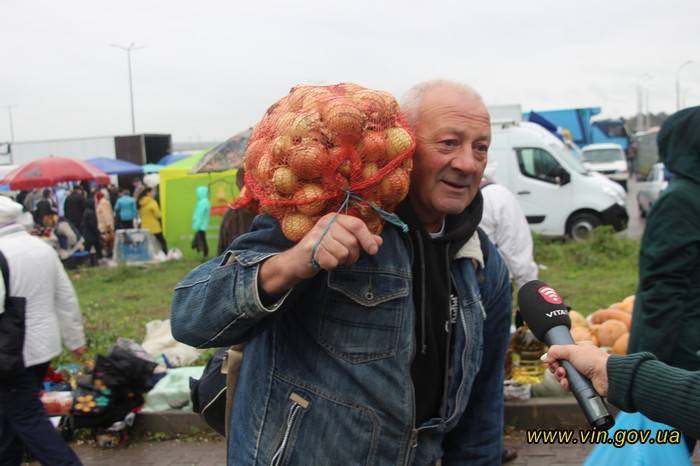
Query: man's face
[{"x": 453, "y": 134}]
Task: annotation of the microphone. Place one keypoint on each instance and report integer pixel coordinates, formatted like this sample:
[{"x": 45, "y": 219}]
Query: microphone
[{"x": 547, "y": 317}]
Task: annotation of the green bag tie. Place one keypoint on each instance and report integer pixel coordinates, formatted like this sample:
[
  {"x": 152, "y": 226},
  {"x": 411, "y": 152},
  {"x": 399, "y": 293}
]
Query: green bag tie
[{"x": 354, "y": 199}]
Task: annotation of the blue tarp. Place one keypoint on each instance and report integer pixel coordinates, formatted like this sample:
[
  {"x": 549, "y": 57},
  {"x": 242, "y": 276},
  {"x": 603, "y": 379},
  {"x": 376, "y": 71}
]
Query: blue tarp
[
  {"x": 114, "y": 166},
  {"x": 172, "y": 158},
  {"x": 535, "y": 117}
]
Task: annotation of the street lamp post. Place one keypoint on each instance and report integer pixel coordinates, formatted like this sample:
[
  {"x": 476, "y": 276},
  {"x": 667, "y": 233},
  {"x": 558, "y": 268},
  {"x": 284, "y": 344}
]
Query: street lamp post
[
  {"x": 642, "y": 99},
  {"x": 12, "y": 128},
  {"x": 128, "y": 50},
  {"x": 678, "y": 83}
]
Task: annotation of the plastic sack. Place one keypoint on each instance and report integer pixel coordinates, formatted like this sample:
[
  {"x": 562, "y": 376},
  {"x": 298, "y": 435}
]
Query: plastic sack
[
  {"x": 159, "y": 340},
  {"x": 640, "y": 454},
  {"x": 173, "y": 390},
  {"x": 325, "y": 149}
]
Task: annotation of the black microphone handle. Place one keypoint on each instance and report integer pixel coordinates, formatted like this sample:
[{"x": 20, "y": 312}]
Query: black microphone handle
[{"x": 591, "y": 403}]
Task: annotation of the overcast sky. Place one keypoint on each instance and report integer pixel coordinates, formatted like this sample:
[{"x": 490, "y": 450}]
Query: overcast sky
[{"x": 211, "y": 68}]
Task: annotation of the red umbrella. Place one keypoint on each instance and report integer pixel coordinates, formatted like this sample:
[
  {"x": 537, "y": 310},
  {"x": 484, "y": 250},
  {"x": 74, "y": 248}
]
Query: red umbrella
[{"x": 46, "y": 172}]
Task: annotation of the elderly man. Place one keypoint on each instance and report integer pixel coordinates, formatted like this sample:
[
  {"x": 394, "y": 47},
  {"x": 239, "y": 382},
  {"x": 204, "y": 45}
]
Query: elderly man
[{"x": 391, "y": 351}]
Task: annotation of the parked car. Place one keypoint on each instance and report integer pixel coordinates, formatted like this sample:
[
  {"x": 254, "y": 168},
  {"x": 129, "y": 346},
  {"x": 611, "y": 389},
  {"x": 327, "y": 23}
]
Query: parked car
[
  {"x": 607, "y": 159},
  {"x": 650, "y": 188}
]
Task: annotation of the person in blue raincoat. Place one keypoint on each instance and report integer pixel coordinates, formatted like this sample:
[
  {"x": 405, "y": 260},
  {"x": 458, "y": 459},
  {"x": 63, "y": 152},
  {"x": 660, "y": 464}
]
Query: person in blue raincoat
[{"x": 200, "y": 221}]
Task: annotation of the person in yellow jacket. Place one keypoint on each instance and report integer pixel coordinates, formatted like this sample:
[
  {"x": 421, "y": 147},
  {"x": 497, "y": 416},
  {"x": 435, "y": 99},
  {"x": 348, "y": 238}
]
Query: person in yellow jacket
[{"x": 150, "y": 216}]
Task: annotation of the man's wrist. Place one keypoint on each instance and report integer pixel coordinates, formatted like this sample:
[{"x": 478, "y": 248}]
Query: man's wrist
[{"x": 277, "y": 275}]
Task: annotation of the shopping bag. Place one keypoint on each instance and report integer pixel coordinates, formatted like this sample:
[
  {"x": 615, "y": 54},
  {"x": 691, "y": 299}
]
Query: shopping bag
[{"x": 640, "y": 453}]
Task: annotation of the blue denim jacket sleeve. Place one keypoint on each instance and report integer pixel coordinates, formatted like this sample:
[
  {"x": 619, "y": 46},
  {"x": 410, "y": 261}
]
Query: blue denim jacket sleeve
[
  {"x": 218, "y": 304},
  {"x": 478, "y": 437}
]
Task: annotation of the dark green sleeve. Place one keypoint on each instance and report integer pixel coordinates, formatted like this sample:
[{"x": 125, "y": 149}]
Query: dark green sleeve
[{"x": 638, "y": 382}]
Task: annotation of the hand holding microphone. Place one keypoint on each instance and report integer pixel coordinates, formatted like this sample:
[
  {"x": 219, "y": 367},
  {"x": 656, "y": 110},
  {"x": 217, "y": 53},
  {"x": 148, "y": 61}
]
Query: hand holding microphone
[
  {"x": 546, "y": 315},
  {"x": 588, "y": 359}
]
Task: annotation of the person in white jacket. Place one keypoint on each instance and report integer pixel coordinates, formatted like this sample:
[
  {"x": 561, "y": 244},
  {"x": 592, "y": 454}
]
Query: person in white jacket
[
  {"x": 505, "y": 224},
  {"x": 52, "y": 315}
]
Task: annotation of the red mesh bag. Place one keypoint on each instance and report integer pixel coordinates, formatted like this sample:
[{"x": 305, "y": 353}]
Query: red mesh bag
[{"x": 321, "y": 149}]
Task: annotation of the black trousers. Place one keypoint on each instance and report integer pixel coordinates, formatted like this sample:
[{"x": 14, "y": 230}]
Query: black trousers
[
  {"x": 200, "y": 242},
  {"x": 125, "y": 224},
  {"x": 23, "y": 421},
  {"x": 161, "y": 240}
]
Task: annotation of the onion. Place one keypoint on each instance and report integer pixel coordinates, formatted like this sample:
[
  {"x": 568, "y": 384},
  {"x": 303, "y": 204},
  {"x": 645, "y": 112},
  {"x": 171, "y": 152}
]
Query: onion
[
  {"x": 281, "y": 148},
  {"x": 264, "y": 167},
  {"x": 307, "y": 193},
  {"x": 284, "y": 180},
  {"x": 398, "y": 141},
  {"x": 394, "y": 187},
  {"x": 303, "y": 125},
  {"x": 369, "y": 170},
  {"x": 373, "y": 146},
  {"x": 296, "y": 225},
  {"x": 307, "y": 159},
  {"x": 343, "y": 121}
]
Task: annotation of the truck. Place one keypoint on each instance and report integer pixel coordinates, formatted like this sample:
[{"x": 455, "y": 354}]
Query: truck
[{"x": 583, "y": 126}]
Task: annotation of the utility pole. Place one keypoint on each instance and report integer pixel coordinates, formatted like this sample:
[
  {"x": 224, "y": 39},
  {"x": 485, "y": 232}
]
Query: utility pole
[
  {"x": 678, "y": 83},
  {"x": 128, "y": 51},
  {"x": 642, "y": 96},
  {"x": 640, "y": 110},
  {"x": 9, "y": 115},
  {"x": 12, "y": 129},
  {"x": 647, "y": 115}
]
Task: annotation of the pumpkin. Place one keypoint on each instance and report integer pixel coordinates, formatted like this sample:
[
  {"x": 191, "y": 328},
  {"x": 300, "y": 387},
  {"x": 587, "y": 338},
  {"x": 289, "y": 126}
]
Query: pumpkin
[
  {"x": 610, "y": 331},
  {"x": 620, "y": 345}
]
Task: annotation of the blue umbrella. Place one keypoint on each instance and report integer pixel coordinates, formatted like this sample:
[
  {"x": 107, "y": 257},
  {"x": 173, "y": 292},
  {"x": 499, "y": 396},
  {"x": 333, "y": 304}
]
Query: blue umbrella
[{"x": 114, "y": 166}]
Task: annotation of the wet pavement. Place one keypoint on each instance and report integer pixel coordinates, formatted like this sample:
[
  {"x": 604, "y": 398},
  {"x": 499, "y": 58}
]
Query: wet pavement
[{"x": 213, "y": 453}]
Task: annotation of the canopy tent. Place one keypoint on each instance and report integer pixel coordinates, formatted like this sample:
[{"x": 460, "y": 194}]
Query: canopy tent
[
  {"x": 114, "y": 166},
  {"x": 172, "y": 158},
  {"x": 46, "y": 172},
  {"x": 178, "y": 199},
  {"x": 226, "y": 156},
  {"x": 151, "y": 168}
]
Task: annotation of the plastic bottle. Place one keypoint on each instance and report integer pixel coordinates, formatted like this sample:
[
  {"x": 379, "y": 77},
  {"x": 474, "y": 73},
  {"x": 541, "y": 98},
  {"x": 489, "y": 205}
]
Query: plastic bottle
[{"x": 527, "y": 367}]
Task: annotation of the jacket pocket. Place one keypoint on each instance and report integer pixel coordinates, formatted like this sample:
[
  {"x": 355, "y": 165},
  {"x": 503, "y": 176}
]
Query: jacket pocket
[
  {"x": 294, "y": 413},
  {"x": 361, "y": 315},
  {"x": 306, "y": 425}
]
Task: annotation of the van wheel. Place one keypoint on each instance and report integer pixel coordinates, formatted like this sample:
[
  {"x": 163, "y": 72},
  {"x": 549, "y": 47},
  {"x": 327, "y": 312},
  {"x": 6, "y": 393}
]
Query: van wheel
[{"x": 581, "y": 225}]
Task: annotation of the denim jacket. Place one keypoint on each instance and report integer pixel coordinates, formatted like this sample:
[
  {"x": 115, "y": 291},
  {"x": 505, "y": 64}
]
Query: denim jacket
[{"x": 326, "y": 376}]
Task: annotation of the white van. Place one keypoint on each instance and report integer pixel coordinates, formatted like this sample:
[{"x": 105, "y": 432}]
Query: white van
[
  {"x": 607, "y": 159},
  {"x": 558, "y": 195}
]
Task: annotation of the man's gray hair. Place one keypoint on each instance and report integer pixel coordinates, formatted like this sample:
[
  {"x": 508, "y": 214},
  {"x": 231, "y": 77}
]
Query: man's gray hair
[{"x": 413, "y": 98}]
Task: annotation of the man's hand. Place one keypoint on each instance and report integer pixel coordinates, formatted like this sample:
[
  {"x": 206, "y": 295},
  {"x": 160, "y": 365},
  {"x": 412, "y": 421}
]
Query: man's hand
[
  {"x": 78, "y": 352},
  {"x": 342, "y": 245},
  {"x": 588, "y": 359}
]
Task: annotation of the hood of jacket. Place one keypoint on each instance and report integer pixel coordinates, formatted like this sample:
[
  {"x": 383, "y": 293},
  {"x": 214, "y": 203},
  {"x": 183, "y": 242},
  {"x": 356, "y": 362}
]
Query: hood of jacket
[
  {"x": 146, "y": 200},
  {"x": 679, "y": 143},
  {"x": 202, "y": 193}
]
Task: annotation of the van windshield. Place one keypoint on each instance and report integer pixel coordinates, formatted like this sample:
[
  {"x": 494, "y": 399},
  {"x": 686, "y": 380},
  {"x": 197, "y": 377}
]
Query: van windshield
[
  {"x": 569, "y": 159},
  {"x": 603, "y": 155}
]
